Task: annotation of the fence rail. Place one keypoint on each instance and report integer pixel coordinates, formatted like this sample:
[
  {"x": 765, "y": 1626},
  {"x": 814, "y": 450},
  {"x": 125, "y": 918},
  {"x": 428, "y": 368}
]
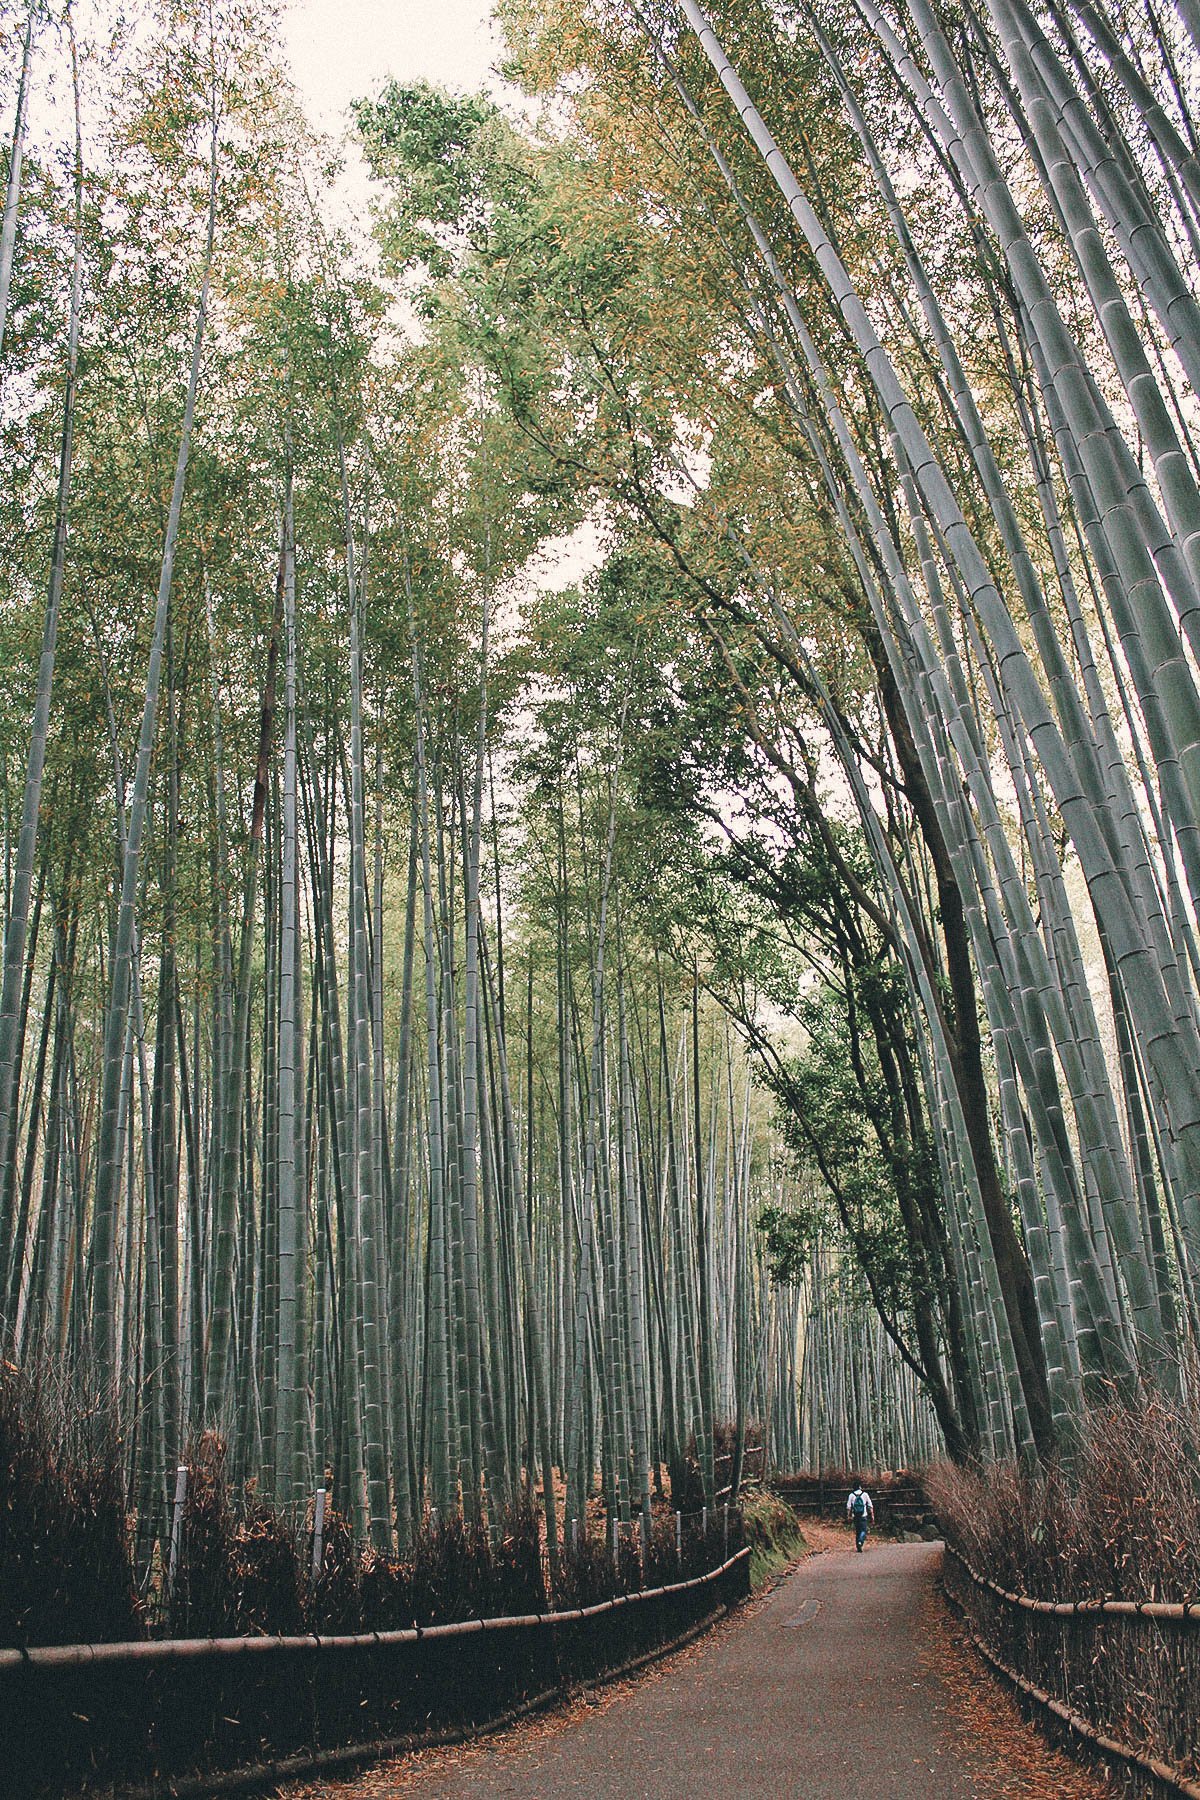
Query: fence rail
[
  {"x": 165, "y": 1650},
  {"x": 1106, "y": 1687},
  {"x": 1176, "y": 1612},
  {"x": 900, "y": 1501},
  {"x": 167, "y": 1608},
  {"x": 185, "y": 1709}
]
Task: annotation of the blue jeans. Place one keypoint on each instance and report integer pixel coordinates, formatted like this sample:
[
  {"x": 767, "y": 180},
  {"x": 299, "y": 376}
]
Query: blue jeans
[{"x": 860, "y": 1531}]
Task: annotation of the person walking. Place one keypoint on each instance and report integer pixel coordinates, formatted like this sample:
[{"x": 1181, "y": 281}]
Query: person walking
[{"x": 860, "y": 1511}]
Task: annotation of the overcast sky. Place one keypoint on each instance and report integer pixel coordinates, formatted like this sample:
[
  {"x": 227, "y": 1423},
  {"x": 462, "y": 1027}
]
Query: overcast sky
[{"x": 340, "y": 49}]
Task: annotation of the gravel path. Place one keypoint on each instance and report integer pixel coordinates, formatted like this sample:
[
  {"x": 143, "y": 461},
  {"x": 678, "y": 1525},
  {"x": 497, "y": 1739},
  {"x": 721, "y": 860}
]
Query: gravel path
[{"x": 842, "y": 1682}]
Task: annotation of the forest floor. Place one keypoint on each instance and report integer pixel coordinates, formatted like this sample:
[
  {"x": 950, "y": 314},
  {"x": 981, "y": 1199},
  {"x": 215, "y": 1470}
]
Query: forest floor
[{"x": 846, "y": 1677}]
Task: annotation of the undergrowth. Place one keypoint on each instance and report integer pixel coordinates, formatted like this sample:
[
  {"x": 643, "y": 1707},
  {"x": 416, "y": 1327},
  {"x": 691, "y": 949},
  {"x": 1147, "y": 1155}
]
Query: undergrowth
[
  {"x": 243, "y": 1568},
  {"x": 66, "y": 1572},
  {"x": 1118, "y": 1516}
]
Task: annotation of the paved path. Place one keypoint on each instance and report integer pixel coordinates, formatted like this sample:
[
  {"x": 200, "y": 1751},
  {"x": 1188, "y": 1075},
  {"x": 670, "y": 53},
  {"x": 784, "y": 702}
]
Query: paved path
[{"x": 839, "y": 1684}]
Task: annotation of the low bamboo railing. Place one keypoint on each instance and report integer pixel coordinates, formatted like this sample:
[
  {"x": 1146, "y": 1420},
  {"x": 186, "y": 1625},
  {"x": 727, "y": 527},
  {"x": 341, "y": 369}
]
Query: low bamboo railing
[
  {"x": 166, "y": 1650},
  {"x": 188, "y": 1709},
  {"x": 1102, "y": 1689}
]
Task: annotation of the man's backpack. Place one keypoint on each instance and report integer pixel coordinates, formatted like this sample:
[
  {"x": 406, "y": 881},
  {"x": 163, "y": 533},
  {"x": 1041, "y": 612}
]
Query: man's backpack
[{"x": 858, "y": 1505}]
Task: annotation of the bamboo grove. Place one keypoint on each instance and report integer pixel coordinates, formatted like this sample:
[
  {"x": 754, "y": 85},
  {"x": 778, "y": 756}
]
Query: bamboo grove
[
  {"x": 353, "y": 1110},
  {"x": 956, "y": 249},
  {"x": 466, "y": 1031}
]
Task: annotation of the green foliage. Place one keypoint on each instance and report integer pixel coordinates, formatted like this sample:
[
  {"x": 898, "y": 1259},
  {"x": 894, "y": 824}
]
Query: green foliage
[
  {"x": 865, "y": 1165},
  {"x": 449, "y": 162}
]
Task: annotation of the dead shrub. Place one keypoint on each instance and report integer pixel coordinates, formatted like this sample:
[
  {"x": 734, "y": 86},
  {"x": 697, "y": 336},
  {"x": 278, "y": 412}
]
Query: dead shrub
[
  {"x": 1118, "y": 1517},
  {"x": 66, "y": 1574}
]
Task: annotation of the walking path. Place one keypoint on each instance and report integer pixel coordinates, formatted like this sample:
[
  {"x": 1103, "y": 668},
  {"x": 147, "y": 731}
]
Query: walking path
[{"x": 843, "y": 1681}]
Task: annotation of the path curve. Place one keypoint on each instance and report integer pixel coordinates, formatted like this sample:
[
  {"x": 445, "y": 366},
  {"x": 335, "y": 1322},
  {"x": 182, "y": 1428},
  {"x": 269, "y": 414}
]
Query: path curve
[{"x": 841, "y": 1682}]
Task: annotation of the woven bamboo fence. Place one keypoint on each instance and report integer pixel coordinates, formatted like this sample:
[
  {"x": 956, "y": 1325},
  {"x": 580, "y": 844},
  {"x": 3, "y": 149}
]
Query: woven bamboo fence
[
  {"x": 1121, "y": 1676},
  {"x": 207, "y": 1715}
]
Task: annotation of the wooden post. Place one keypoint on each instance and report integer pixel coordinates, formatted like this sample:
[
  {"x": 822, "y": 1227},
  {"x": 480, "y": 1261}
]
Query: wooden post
[
  {"x": 679, "y": 1538},
  {"x": 318, "y": 1554},
  {"x": 725, "y": 1551},
  {"x": 181, "y": 1484}
]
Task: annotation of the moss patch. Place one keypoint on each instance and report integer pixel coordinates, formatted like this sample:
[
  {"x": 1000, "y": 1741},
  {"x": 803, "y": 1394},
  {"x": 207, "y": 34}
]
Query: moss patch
[{"x": 773, "y": 1534}]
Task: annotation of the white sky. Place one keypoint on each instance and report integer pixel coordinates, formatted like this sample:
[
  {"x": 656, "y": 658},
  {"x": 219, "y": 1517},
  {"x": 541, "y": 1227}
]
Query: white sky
[
  {"x": 338, "y": 51},
  {"x": 342, "y": 49}
]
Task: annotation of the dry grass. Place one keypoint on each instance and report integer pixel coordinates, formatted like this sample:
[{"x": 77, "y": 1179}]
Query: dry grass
[
  {"x": 1119, "y": 1519},
  {"x": 244, "y": 1567},
  {"x": 66, "y": 1563},
  {"x": 66, "y": 1572}
]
